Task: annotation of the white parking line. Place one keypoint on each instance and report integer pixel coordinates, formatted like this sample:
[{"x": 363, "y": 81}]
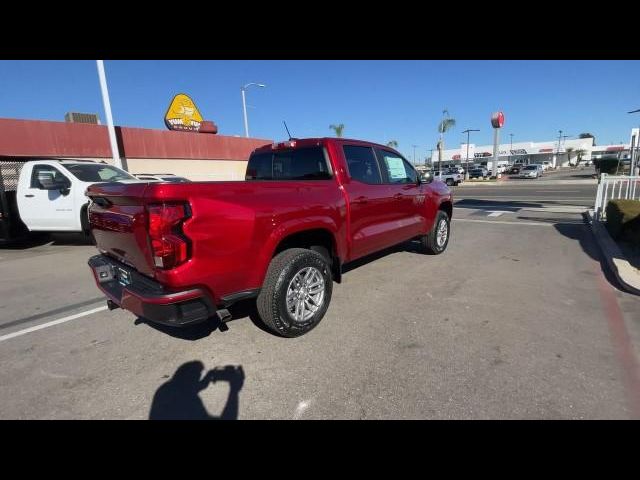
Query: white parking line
[
  {"x": 496, "y": 213},
  {"x": 533, "y": 224},
  {"x": 51, "y": 324}
]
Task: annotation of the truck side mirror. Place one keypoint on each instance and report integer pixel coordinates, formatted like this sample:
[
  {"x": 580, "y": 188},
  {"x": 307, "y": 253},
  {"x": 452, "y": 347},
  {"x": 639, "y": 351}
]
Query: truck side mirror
[{"x": 427, "y": 177}]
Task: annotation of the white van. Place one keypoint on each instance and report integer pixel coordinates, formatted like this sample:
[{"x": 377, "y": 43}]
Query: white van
[{"x": 51, "y": 193}]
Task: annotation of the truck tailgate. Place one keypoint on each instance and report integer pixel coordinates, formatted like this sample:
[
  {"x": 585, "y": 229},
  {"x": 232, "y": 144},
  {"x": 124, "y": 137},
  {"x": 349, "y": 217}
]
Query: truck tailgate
[{"x": 119, "y": 223}]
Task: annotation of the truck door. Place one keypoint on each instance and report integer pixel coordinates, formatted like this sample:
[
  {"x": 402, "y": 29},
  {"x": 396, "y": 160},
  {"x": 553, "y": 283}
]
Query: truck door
[
  {"x": 371, "y": 209},
  {"x": 42, "y": 209},
  {"x": 401, "y": 179}
]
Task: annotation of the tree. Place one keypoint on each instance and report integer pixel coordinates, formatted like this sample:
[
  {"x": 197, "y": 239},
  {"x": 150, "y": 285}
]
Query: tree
[
  {"x": 587, "y": 135},
  {"x": 392, "y": 144},
  {"x": 446, "y": 124},
  {"x": 569, "y": 151},
  {"x": 338, "y": 129},
  {"x": 579, "y": 153}
]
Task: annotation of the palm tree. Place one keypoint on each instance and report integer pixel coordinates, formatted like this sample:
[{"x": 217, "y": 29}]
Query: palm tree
[
  {"x": 569, "y": 151},
  {"x": 446, "y": 124},
  {"x": 580, "y": 152},
  {"x": 338, "y": 129},
  {"x": 392, "y": 144}
]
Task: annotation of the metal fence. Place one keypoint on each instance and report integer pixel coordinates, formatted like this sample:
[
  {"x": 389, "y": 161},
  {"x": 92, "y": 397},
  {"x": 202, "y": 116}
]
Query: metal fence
[{"x": 615, "y": 187}]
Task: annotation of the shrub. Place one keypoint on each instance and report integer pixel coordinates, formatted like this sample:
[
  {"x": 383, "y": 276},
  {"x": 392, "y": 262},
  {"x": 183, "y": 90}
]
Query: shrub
[
  {"x": 623, "y": 220},
  {"x": 606, "y": 165}
]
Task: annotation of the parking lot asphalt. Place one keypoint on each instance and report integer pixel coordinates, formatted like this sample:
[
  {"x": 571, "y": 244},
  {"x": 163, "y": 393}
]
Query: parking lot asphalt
[{"x": 517, "y": 319}]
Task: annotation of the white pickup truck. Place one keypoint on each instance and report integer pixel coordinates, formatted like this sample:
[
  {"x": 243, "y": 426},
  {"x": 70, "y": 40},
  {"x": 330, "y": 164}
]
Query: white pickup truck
[{"x": 50, "y": 195}]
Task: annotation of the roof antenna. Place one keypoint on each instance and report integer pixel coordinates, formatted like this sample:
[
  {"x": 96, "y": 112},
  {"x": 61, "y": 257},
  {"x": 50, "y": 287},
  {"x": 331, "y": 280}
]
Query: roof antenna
[{"x": 285, "y": 126}]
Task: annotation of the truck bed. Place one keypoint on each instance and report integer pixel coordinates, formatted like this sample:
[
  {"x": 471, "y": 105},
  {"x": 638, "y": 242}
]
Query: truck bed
[{"x": 232, "y": 226}]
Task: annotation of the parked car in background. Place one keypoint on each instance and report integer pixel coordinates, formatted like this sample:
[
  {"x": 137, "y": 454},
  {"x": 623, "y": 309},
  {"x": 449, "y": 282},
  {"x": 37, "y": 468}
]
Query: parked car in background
[
  {"x": 546, "y": 165},
  {"x": 449, "y": 176},
  {"x": 513, "y": 169},
  {"x": 531, "y": 171},
  {"x": 161, "y": 177},
  {"x": 479, "y": 172},
  {"x": 48, "y": 195}
]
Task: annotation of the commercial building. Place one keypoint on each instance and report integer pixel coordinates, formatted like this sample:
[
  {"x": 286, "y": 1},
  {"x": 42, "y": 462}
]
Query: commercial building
[
  {"x": 559, "y": 153},
  {"x": 194, "y": 155}
]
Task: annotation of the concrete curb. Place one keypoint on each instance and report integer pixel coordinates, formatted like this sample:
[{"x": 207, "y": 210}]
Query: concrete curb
[{"x": 628, "y": 276}]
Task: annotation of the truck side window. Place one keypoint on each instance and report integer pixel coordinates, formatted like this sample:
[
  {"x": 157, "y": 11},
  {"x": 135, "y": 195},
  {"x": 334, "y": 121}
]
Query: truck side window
[
  {"x": 362, "y": 164},
  {"x": 44, "y": 171},
  {"x": 397, "y": 168}
]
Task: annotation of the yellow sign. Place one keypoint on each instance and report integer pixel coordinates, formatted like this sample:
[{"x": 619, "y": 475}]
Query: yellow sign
[{"x": 183, "y": 114}]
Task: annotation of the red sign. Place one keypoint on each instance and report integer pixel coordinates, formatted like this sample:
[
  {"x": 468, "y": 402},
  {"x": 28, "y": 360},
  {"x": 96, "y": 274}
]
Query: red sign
[
  {"x": 497, "y": 120},
  {"x": 455, "y": 157},
  {"x": 545, "y": 150}
]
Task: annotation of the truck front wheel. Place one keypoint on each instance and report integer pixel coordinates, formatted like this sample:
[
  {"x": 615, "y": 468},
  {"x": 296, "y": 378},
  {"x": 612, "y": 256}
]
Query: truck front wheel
[
  {"x": 436, "y": 241},
  {"x": 296, "y": 292}
]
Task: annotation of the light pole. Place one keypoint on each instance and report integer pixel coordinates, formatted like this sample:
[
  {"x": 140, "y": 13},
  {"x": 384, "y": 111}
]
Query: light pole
[
  {"x": 466, "y": 163},
  {"x": 634, "y": 150},
  {"x": 107, "y": 111},
  {"x": 244, "y": 105},
  {"x": 511, "y": 148},
  {"x": 558, "y": 152},
  {"x": 414, "y": 154}
]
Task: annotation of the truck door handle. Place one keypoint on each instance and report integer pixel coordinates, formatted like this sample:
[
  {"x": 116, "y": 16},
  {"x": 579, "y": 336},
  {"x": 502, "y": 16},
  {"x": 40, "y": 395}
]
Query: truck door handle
[
  {"x": 29, "y": 196},
  {"x": 398, "y": 196},
  {"x": 360, "y": 199}
]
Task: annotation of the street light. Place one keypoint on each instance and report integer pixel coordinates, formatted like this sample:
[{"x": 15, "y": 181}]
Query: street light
[
  {"x": 634, "y": 151},
  {"x": 414, "y": 154},
  {"x": 511, "y": 149},
  {"x": 466, "y": 163},
  {"x": 115, "y": 153},
  {"x": 244, "y": 105}
]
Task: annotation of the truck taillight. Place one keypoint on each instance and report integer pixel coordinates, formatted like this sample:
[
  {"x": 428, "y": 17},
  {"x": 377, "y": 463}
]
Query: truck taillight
[{"x": 169, "y": 246}]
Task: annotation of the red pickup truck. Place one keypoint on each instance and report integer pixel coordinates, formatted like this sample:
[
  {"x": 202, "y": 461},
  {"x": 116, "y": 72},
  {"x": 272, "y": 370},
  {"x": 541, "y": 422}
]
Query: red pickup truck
[{"x": 180, "y": 253}]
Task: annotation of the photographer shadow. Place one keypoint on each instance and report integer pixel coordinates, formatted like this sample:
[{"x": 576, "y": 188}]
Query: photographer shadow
[{"x": 178, "y": 398}]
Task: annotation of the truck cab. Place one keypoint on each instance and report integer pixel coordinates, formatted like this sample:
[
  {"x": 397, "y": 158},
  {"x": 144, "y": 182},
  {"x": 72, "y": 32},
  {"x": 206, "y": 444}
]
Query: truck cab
[{"x": 51, "y": 193}]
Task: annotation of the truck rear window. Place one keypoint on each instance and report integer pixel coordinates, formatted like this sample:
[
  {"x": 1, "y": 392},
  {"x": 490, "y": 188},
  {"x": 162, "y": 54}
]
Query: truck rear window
[{"x": 299, "y": 164}]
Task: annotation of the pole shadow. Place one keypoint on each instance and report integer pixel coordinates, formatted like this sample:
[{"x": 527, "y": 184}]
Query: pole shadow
[
  {"x": 581, "y": 232},
  {"x": 178, "y": 398}
]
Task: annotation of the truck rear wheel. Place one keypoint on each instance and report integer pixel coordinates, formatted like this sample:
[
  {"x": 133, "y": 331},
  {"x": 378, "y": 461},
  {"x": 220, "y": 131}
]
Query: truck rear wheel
[
  {"x": 296, "y": 292},
  {"x": 86, "y": 227},
  {"x": 435, "y": 242}
]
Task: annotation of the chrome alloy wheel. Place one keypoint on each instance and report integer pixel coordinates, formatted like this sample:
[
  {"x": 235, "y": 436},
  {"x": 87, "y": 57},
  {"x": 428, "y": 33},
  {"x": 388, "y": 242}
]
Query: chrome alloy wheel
[
  {"x": 305, "y": 294},
  {"x": 442, "y": 232}
]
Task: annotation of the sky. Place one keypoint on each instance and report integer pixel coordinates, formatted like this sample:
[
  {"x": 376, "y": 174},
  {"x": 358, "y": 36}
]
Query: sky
[{"x": 375, "y": 100}]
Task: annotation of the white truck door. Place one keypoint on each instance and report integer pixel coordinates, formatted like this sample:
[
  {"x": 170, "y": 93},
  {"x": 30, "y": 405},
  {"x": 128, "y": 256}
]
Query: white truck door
[{"x": 43, "y": 209}]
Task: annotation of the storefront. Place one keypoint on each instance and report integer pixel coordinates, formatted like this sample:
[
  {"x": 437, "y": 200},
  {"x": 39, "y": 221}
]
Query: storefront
[{"x": 558, "y": 153}]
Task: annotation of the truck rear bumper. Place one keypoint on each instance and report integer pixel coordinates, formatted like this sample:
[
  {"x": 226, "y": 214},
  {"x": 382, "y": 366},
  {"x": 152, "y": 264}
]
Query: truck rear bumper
[{"x": 148, "y": 299}]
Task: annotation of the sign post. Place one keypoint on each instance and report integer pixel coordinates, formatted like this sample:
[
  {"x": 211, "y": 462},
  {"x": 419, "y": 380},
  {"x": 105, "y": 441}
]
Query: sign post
[{"x": 497, "y": 122}]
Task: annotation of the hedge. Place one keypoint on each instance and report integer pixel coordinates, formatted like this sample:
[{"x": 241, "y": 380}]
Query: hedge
[
  {"x": 623, "y": 220},
  {"x": 607, "y": 165}
]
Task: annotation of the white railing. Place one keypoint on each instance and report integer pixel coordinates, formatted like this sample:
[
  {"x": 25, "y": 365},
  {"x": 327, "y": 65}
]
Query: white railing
[{"x": 615, "y": 187}]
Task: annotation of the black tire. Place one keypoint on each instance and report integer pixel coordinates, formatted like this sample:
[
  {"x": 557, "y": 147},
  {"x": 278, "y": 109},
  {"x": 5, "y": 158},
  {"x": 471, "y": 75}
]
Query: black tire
[
  {"x": 272, "y": 300},
  {"x": 86, "y": 228},
  {"x": 430, "y": 241},
  {"x": 449, "y": 182}
]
